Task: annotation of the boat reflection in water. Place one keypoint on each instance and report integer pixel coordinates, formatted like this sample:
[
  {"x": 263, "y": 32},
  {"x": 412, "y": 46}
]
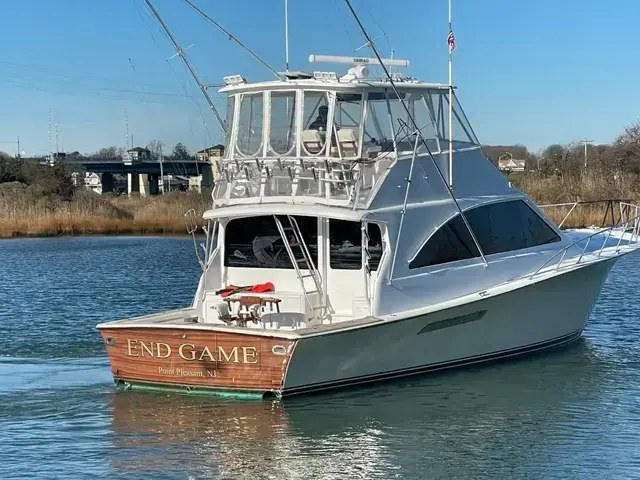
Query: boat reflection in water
[{"x": 450, "y": 424}]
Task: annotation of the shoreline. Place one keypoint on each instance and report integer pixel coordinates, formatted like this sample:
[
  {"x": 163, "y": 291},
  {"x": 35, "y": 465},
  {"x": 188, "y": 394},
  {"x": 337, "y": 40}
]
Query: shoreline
[
  {"x": 26, "y": 213},
  {"x": 97, "y": 234},
  {"x": 52, "y": 226}
]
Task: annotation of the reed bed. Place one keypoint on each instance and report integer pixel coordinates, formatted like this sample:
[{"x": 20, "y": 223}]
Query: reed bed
[
  {"x": 23, "y": 215},
  {"x": 26, "y": 211}
]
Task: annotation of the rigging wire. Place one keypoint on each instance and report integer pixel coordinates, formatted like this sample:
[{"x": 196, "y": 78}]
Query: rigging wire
[
  {"x": 346, "y": 30},
  {"x": 231, "y": 37},
  {"x": 180, "y": 81},
  {"x": 415, "y": 126},
  {"x": 189, "y": 66},
  {"x": 179, "y": 166}
]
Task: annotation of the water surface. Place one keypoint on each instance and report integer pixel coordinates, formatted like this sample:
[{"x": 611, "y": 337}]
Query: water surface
[{"x": 573, "y": 413}]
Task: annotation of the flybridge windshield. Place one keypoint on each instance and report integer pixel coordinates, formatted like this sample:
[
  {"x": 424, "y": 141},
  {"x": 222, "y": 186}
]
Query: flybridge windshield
[{"x": 302, "y": 123}]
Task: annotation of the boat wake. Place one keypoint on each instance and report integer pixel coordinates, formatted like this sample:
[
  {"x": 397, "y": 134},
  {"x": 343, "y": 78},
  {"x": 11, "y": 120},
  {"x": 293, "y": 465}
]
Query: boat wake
[{"x": 29, "y": 374}]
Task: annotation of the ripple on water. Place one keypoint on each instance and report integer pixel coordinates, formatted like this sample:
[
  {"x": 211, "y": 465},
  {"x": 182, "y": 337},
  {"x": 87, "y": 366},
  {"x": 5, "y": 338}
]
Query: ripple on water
[{"x": 570, "y": 413}]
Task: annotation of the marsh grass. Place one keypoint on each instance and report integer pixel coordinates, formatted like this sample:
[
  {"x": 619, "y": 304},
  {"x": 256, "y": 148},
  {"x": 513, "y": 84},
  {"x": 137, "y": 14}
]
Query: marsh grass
[
  {"x": 24, "y": 214},
  {"x": 30, "y": 211}
]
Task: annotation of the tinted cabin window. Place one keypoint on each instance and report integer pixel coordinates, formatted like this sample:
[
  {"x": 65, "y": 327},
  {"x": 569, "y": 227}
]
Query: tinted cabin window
[
  {"x": 345, "y": 245},
  {"x": 256, "y": 243},
  {"x": 450, "y": 243},
  {"x": 507, "y": 226},
  {"x": 499, "y": 227}
]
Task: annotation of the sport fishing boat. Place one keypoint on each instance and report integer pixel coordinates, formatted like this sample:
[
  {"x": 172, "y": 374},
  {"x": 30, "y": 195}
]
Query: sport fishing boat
[
  {"x": 357, "y": 233},
  {"x": 338, "y": 253}
]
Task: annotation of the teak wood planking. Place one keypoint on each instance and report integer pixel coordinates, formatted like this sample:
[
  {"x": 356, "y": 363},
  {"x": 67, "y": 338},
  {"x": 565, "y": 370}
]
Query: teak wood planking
[{"x": 197, "y": 358}]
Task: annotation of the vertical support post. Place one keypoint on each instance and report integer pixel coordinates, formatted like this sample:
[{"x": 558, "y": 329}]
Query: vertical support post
[
  {"x": 161, "y": 159},
  {"x": 451, "y": 43},
  {"x": 404, "y": 207}
]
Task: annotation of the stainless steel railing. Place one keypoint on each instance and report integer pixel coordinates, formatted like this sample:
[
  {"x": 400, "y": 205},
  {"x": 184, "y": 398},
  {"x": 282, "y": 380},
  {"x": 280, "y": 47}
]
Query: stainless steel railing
[{"x": 627, "y": 225}]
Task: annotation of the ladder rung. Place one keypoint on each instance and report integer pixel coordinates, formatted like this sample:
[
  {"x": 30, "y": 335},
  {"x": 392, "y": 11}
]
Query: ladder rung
[{"x": 304, "y": 263}]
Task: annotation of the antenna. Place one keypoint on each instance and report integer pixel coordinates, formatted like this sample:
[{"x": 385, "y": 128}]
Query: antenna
[
  {"x": 57, "y": 150},
  {"x": 180, "y": 52},
  {"x": 286, "y": 35}
]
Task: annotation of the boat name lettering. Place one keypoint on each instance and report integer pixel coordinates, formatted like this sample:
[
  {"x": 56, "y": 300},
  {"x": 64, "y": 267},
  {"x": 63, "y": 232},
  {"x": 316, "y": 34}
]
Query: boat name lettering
[
  {"x": 184, "y": 372},
  {"x": 190, "y": 352}
]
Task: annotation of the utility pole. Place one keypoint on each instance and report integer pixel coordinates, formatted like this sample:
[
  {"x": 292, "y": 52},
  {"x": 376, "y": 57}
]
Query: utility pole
[
  {"x": 586, "y": 142},
  {"x": 18, "y": 142},
  {"x": 50, "y": 142},
  {"x": 126, "y": 133}
]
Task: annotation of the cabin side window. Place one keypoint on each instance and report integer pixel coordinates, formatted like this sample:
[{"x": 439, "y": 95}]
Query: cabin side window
[
  {"x": 255, "y": 242},
  {"x": 449, "y": 243},
  {"x": 498, "y": 227},
  {"x": 345, "y": 245},
  {"x": 507, "y": 226}
]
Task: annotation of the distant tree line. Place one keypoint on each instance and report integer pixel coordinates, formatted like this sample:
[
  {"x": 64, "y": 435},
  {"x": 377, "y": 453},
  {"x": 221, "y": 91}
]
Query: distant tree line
[
  {"x": 178, "y": 153},
  {"x": 44, "y": 180},
  {"x": 618, "y": 159}
]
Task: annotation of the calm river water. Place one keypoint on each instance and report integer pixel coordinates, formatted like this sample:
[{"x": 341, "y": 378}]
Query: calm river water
[{"x": 569, "y": 414}]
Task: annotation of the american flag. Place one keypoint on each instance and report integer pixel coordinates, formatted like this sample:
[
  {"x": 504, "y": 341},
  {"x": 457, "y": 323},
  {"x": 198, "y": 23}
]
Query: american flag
[{"x": 451, "y": 40}]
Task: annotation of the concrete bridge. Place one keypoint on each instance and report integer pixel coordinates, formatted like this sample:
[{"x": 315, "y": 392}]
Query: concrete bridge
[{"x": 142, "y": 174}]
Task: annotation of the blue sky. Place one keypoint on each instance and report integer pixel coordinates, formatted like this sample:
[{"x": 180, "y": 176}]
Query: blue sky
[{"x": 536, "y": 72}]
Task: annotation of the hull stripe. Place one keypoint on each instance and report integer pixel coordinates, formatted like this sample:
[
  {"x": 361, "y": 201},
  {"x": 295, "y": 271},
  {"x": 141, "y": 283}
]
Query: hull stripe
[{"x": 433, "y": 366}]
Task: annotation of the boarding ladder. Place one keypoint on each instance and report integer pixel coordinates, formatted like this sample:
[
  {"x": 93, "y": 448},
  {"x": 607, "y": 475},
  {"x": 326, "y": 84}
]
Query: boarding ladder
[
  {"x": 366, "y": 261},
  {"x": 307, "y": 263}
]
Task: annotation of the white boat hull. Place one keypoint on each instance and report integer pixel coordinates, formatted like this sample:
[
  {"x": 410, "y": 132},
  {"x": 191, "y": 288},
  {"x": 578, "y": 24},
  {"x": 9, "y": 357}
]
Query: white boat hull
[{"x": 544, "y": 314}]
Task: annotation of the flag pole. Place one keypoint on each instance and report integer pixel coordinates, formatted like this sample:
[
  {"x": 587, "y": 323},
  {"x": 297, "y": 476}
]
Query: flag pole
[{"x": 451, "y": 44}]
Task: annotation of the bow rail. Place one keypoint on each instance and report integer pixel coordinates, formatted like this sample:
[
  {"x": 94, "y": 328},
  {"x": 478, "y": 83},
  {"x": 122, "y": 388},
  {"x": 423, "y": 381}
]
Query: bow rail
[
  {"x": 609, "y": 215},
  {"x": 626, "y": 225}
]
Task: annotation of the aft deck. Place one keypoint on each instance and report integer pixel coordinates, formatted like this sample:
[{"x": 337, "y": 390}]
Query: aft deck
[{"x": 187, "y": 318}]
